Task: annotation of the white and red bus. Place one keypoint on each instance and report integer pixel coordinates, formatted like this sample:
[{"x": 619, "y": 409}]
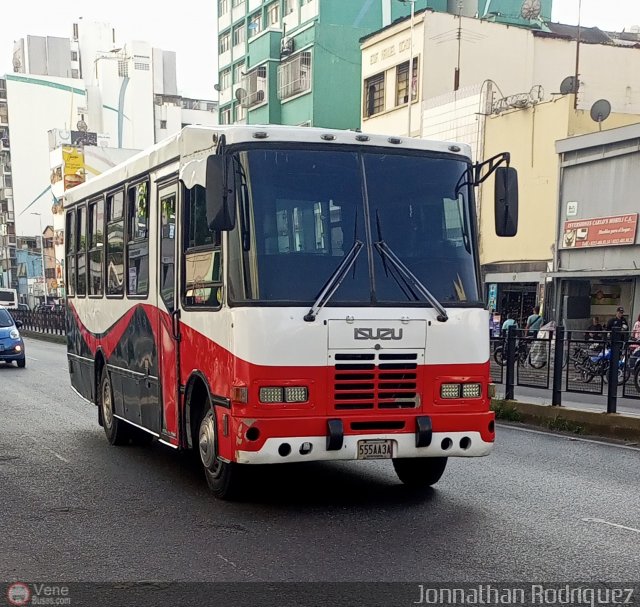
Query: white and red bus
[
  {"x": 9, "y": 298},
  {"x": 276, "y": 294}
]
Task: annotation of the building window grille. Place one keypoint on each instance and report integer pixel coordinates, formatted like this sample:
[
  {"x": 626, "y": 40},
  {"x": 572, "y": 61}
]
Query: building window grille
[
  {"x": 402, "y": 82},
  {"x": 238, "y": 35},
  {"x": 123, "y": 68},
  {"x": 374, "y": 95},
  {"x": 225, "y": 40},
  {"x": 273, "y": 14},
  {"x": 294, "y": 75},
  {"x": 255, "y": 83},
  {"x": 255, "y": 24}
]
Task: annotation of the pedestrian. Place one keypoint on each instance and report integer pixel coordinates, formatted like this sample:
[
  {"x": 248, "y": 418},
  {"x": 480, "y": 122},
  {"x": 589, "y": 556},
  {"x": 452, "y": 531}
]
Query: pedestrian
[
  {"x": 618, "y": 321},
  {"x": 635, "y": 332},
  {"x": 510, "y": 322},
  {"x": 594, "y": 332},
  {"x": 534, "y": 322}
]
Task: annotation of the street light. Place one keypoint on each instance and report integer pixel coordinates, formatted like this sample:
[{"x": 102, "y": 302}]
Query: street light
[
  {"x": 410, "y": 83},
  {"x": 44, "y": 272}
]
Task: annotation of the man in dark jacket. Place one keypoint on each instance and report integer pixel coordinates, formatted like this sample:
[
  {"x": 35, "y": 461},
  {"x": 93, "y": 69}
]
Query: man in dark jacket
[{"x": 618, "y": 321}]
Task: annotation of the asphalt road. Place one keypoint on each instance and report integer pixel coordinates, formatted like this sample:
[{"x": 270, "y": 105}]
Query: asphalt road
[{"x": 73, "y": 508}]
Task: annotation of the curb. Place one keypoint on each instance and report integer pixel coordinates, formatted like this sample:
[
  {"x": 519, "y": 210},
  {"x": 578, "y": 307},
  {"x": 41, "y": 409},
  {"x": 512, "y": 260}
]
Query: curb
[
  {"x": 50, "y": 337},
  {"x": 574, "y": 421}
]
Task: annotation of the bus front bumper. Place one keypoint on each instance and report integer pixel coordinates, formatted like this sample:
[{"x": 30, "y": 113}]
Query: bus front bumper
[{"x": 366, "y": 446}]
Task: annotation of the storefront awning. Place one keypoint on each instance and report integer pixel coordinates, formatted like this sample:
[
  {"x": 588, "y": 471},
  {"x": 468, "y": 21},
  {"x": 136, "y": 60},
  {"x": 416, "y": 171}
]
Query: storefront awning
[{"x": 601, "y": 274}]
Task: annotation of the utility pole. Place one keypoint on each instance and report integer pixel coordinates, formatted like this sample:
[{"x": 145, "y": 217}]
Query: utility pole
[
  {"x": 44, "y": 272},
  {"x": 410, "y": 76},
  {"x": 576, "y": 83}
]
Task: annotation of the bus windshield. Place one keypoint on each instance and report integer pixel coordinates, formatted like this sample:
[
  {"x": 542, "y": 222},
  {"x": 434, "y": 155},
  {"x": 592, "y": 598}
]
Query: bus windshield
[
  {"x": 8, "y": 298},
  {"x": 301, "y": 210}
]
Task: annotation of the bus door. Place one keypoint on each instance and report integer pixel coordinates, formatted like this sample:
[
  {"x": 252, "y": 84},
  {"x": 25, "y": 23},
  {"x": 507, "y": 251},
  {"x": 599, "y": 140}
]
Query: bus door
[{"x": 168, "y": 312}]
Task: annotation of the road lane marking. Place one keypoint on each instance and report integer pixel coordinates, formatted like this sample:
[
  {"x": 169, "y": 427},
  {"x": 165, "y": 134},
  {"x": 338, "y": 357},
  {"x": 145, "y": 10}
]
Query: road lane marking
[
  {"x": 57, "y": 455},
  {"x": 31, "y": 358},
  {"x": 569, "y": 438},
  {"x": 603, "y": 522}
]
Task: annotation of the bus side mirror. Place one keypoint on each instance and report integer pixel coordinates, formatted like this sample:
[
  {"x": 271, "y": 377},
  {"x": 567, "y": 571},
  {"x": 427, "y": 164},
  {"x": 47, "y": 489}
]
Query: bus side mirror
[
  {"x": 506, "y": 201},
  {"x": 221, "y": 215}
]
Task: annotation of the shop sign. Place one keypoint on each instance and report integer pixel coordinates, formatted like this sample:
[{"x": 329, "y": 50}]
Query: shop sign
[{"x": 600, "y": 232}]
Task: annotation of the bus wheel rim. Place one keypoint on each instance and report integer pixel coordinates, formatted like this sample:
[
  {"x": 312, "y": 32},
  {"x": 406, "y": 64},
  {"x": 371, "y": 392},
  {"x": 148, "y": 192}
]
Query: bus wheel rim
[
  {"x": 207, "y": 442},
  {"x": 107, "y": 405}
]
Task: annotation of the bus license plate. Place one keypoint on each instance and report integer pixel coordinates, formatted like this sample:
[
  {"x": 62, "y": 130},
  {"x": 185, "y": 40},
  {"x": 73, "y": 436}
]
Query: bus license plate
[{"x": 375, "y": 449}]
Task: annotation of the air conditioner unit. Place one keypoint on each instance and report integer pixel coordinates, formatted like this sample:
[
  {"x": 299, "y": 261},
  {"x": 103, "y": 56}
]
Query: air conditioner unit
[{"x": 286, "y": 46}]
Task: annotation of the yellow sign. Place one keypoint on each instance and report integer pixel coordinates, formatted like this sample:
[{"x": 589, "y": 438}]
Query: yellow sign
[{"x": 73, "y": 160}]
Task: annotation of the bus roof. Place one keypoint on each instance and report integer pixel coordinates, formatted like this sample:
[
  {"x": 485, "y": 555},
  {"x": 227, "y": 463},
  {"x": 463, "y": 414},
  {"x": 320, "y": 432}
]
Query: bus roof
[{"x": 197, "y": 142}]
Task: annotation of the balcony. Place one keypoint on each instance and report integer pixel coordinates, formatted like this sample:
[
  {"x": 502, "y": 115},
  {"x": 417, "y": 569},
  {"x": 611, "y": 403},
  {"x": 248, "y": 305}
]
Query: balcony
[
  {"x": 255, "y": 85},
  {"x": 4, "y": 144}
]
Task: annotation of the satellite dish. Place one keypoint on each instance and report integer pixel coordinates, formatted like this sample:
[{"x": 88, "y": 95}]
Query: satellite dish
[
  {"x": 568, "y": 85},
  {"x": 216, "y": 87},
  {"x": 240, "y": 94},
  {"x": 600, "y": 110},
  {"x": 530, "y": 9},
  {"x": 82, "y": 126},
  {"x": 17, "y": 64}
]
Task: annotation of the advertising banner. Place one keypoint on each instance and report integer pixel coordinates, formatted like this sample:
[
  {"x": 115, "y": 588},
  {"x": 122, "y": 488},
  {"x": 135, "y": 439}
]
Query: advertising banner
[
  {"x": 600, "y": 232},
  {"x": 73, "y": 160}
]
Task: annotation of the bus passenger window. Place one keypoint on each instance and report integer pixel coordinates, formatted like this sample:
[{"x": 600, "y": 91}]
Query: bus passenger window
[
  {"x": 96, "y": 246},
  {"x": 81, "y": 257},
  {"x": 70, "y": 247},
  {"x": 115, "y": 244},
  {"x": 138, "y": 240},
  {"x": 202, "y": 258}
]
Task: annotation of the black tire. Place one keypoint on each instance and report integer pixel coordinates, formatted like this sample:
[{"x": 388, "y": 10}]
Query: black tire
[
  {"x": 222, "y": 477},
  {"x": 420, "y": 471},
  {"x": 497, "y": 355},
  {"x": 636, "y": 377},
  {"x": 117, "y": 431},
  {"x": 22, "y": 363}
]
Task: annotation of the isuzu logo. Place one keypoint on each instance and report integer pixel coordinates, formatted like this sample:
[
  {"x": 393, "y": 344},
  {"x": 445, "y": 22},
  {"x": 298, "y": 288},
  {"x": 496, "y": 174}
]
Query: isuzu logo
[{"x": 378, "y": 334}]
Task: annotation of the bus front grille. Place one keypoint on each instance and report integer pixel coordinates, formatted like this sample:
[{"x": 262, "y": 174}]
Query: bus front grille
[{"x": 375, "y": 380}]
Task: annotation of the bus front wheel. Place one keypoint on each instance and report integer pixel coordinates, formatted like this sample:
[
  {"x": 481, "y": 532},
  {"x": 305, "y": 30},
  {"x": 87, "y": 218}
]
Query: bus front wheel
[
  {"x": 222, "y": 477},
  {"x": 420, "y": 471},
  {"x": 116, "y": 430}
]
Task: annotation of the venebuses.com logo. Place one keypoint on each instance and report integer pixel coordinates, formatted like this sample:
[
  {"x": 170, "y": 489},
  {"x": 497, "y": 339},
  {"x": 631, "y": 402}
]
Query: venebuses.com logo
[{"x": 18, "y": 594}]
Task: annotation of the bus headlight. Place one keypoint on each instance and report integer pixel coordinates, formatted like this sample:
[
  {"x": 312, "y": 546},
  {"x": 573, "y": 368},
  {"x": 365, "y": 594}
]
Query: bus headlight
[
  {"x": 471, "y": 390},
  {"x": 296, "y": 394},
  {"x": 271, "y": 394},
  {"x": 283, "y": 394},
  {"x": 450, "y": 391}
]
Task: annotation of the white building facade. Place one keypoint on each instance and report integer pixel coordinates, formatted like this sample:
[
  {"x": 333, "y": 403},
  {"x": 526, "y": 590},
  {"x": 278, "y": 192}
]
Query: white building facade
[{"x": 124, "y": 95}]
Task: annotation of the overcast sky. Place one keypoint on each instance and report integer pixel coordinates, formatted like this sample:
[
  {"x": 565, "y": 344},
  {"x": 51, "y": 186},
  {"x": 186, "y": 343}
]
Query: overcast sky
[{"x": 189, "y": 28}]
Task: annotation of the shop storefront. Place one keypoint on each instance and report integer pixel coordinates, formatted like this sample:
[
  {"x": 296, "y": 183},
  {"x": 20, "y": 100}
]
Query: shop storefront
[{"x": 597, "y": 265}]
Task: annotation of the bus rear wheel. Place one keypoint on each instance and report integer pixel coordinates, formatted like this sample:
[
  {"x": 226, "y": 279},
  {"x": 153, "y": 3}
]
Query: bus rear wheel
[
  {"x": 420, "y": 471},
  {"x": 116, "y": 430},
  {"x": 222, "y": 477}
]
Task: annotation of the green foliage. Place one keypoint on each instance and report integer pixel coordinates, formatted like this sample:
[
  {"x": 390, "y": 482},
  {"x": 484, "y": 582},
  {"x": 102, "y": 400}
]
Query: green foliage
[{"x": 505, "y": 411}]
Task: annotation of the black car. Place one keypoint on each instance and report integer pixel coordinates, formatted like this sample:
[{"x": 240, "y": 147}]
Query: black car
[{"x": 11, "y": 344}]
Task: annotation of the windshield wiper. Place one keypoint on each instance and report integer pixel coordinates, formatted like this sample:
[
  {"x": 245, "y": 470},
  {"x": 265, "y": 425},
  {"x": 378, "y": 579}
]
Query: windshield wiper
[
  {"x": 335, "y": 280},
  {"x": 410, "y": 279}
]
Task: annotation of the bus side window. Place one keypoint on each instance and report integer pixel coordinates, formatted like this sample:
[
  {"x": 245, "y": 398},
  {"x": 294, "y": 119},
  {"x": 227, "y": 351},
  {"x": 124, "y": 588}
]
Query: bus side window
[
  {"x": 96, "y": 247},
  {"x": 115, "y": 244},
  {"x": 81, "y": 252},
  {"x": 138, "y": 240},
  {"x": 70, "y": 247},
  {"x": 203, "y": 255}
]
